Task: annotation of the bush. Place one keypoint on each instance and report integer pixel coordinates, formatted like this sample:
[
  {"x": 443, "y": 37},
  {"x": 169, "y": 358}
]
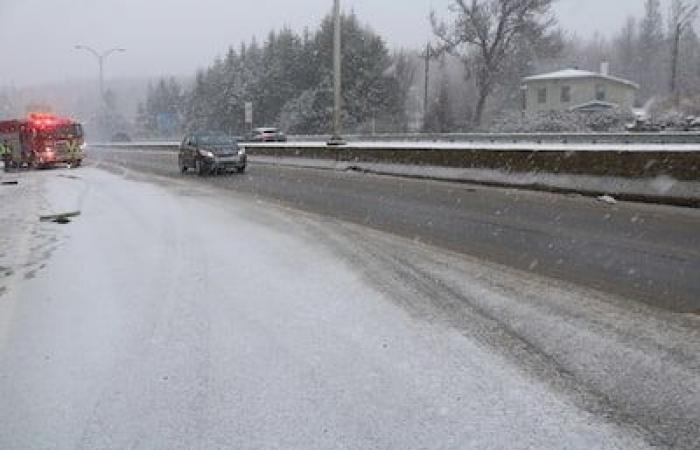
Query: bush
[{"x": 562, "y": 122}]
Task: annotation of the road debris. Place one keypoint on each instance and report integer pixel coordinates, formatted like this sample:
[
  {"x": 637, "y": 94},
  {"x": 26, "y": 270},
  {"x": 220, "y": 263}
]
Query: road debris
[
  {"x": 62, "y": 219},
  {"x": 357, "y": 169},
  {"x": 607, "y": 199}
]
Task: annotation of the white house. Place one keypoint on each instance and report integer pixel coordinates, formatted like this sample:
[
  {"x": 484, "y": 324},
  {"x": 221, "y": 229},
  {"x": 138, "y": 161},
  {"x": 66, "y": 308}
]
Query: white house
[{"x": 577, "y": 90}]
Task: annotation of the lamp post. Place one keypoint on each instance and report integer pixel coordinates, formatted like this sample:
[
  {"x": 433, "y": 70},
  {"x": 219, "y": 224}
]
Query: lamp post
[
  {"x": 336, "y": 138},
  {"x": 100, "y": 57}
]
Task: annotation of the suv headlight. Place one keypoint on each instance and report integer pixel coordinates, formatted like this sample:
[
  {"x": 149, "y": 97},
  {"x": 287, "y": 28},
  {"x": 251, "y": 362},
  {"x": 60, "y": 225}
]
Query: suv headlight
[
  {"x": 206, "y": 154},
  {"x": 241, "y": 152}
]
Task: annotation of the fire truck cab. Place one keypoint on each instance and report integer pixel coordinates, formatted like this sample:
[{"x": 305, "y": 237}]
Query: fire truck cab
[{"x": 43, "y": 140}]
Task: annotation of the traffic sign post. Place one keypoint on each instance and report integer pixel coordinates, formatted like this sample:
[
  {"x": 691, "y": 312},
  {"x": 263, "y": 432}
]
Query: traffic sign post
[{"x": 249, "y": 115}]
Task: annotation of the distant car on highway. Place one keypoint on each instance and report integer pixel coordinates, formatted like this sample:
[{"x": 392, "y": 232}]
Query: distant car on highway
[
  {"x": 692, "y": 123},
  {"x": 211, "y": 153},
  {"x": 644, "y": 126},
  {"x": 267, "y": 135}
]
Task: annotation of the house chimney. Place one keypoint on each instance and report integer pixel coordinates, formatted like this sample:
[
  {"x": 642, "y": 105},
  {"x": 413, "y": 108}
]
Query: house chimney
[{"x": 605, "y": 68}]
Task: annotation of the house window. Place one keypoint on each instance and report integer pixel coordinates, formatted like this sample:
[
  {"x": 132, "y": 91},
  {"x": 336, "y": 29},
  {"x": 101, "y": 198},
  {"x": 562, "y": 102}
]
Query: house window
[
  {"x": 542, "y": 95},
  {"x": 600, "y": 92},
  {"x": 565, "y": 94}
]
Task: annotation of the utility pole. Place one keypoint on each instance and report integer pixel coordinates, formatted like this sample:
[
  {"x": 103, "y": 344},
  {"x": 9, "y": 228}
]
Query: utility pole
[
  {"x": 674, "y": 64},
  {"x": 428, "y": 55},
  {"x": 336, "y": 138},
  {"x": 684, "y": 14}
]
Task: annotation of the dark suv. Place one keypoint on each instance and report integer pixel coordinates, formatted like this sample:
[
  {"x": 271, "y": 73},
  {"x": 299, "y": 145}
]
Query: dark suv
[{"x": 208, "y": 153}]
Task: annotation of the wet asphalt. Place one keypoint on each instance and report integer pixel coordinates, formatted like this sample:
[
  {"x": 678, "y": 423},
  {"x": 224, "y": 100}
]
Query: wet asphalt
[{"x": 649, "y": 253}]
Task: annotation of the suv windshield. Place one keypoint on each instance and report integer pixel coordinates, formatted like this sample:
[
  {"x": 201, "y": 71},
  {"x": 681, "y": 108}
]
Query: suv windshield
[{"x": 216, "y": 140}]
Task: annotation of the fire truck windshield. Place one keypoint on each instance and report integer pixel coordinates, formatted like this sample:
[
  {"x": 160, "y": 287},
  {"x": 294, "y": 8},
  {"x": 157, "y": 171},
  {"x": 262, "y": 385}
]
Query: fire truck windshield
[{"x": 68, "y": 131}]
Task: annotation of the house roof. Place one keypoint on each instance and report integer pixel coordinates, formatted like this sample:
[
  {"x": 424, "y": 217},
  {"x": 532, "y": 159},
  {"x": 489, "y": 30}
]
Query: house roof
[{"x": 568, "y": 74}]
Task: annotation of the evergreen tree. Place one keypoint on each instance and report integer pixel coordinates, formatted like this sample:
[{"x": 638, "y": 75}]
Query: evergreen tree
[
  {"x": 288, "y": 80},
  {"x": 650, "y": 53}
]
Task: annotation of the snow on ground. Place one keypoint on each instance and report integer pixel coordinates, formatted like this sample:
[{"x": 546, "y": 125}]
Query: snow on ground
[{"x": 176, "y": 315}]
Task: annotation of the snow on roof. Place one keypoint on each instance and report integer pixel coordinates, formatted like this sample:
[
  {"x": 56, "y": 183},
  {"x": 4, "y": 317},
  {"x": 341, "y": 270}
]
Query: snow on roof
[{"x": 568, "y": 74}]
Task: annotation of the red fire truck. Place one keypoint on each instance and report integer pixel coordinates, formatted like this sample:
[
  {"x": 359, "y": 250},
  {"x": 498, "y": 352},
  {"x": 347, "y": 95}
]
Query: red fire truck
[{"x": 43, "y": 140}]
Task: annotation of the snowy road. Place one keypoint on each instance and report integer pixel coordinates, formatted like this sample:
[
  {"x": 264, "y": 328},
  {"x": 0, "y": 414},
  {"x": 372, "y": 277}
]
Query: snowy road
[{"x": 177, "y": 314}]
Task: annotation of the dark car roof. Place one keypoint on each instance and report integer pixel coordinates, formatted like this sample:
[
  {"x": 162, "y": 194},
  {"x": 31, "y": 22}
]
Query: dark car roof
[{"x": 199, "y": 135}]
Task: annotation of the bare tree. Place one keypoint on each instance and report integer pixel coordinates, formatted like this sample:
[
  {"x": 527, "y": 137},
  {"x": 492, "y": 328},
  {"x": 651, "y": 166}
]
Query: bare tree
[
  {"x": 683, "y": 12},
  {"x": 490, "y": 35},
  {"x": 651, "y": 53},
  {"x": 624, "y": 49}
]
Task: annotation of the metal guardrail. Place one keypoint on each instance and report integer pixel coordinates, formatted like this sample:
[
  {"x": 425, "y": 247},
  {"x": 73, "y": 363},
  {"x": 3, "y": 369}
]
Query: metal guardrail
[
  {"x": 169, "y": 146},
  {"x": 494, "y": 138},
  {"x": 525, "y": 138}
]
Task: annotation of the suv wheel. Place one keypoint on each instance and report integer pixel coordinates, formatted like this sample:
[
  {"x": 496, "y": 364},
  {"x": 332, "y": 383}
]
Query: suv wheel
[
  {"x": 181, "y": 164},
  {"x": 200, "y": 168}
]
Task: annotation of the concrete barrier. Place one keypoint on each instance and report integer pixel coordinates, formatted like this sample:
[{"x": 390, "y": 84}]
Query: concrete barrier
[{"x": 641, "y": 161}]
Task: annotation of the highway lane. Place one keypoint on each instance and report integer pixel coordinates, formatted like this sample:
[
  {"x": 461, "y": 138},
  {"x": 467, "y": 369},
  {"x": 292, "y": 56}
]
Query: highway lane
[
  {"x": 645, "y": 252},
  {"x": 179, "y": 314}
]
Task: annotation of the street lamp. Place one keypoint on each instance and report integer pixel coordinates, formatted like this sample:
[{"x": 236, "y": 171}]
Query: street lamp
[
  {"x": 101, "y": 57},
  {"x": 336, "y": 138}
]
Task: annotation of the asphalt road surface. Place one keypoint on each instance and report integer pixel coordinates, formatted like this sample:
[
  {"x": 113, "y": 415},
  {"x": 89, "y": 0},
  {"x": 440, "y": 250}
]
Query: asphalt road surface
[
  {"x": 645, "y": 252},
  {"x": 176, "y": 312}
]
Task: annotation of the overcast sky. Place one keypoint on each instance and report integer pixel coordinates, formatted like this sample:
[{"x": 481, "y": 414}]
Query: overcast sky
[{"x": 178, "y": 36}]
